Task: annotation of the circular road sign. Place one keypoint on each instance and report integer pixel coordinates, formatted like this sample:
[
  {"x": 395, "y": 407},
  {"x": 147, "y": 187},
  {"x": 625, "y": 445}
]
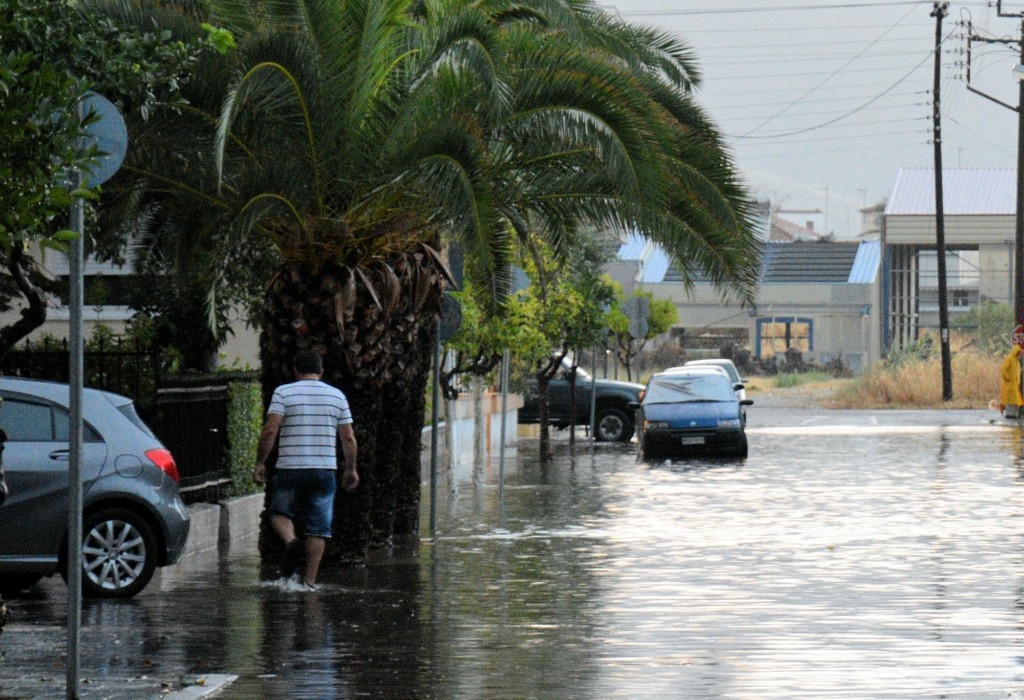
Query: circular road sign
[
  {"x": 109, "y": 134},
  {"x": 1018, "y": 336}
]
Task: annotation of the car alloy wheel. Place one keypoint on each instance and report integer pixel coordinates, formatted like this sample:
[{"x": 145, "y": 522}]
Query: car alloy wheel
[{"x": 118, "y": 554}]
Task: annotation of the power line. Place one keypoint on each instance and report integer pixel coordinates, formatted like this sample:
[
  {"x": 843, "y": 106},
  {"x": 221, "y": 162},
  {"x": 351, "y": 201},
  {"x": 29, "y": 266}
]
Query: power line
[
  {"x": 777, "y": 8},
  {"x": 889, "y": 107},
  {"x": 818, "y": 57},
  {"x": 840, "y": 117},
  {"x": 780, "y": 138},
  {"x": 835, "y": 73}
]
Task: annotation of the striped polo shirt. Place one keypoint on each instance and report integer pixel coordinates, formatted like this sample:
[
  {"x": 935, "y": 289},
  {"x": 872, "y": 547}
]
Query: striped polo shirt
[{"x": 312, "y": 412}]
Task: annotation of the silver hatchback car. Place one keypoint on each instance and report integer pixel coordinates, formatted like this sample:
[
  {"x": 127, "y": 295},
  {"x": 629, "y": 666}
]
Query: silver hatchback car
[{"x": 133, "y": 516}]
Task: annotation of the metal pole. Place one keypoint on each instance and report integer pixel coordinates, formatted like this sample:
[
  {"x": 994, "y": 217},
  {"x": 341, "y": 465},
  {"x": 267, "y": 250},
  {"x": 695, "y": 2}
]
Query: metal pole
[
  {"x": 593, "y": 399},
  {"x": 504, "y": 411},
  {"x": 433, "y": 431},
  {"x": 1018, "y": 250},
  {"x": 75, "y": 360}
]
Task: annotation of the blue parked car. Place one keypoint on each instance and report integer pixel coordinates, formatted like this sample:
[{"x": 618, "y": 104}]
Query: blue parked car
[{"x": 691, "y": 410}]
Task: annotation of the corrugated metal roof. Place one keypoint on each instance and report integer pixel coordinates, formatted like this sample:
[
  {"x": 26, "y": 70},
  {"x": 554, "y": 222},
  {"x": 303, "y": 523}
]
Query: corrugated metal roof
[
  {"x": 809, "y": 261},
  {"x": 865, "y": 265},
  {"x": 633, "y": 248},
  {"x": 656, "y": 266},
  {"x": 964, "y": 191}
]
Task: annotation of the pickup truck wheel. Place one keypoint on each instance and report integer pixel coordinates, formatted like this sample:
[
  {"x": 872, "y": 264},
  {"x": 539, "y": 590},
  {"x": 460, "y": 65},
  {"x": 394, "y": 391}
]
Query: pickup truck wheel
[{"x": 613, "y": 425}]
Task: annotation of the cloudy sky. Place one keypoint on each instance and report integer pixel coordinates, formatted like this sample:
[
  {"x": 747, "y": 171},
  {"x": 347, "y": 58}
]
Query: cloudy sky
[{"x": 822, "y": 101}]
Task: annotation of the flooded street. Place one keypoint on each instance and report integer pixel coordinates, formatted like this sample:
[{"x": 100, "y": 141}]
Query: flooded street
[{"x": 852, "y": 555}]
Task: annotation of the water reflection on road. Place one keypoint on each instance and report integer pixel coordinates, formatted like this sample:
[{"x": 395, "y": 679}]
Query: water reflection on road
[{"x": 850, "y": 555}]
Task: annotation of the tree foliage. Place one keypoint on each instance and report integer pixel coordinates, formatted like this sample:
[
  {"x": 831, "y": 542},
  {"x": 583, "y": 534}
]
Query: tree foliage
[
  {"x": 52, "y": 53},
  {"x": 346, "y": 140},
  {"x": 662, "y": 315}
]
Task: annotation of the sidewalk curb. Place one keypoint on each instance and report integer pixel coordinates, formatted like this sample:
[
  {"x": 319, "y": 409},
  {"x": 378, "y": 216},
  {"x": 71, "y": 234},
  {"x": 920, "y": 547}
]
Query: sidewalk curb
[{"x": 205, "y": 686}]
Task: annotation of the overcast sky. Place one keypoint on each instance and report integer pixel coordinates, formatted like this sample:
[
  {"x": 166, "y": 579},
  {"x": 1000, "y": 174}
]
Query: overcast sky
[{"x": 822, "y": 101}]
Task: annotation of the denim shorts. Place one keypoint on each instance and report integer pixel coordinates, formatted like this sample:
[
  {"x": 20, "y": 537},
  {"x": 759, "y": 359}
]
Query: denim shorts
[{"x": 306, "y": 494}]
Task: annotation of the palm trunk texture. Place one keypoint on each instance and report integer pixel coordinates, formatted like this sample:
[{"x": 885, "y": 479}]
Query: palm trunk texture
[{"x": 375, "y": 328}]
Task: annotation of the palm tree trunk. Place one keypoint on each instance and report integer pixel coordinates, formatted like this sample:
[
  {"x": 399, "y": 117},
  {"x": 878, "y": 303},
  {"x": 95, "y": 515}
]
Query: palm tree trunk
[{"x": 375, "y": 329}]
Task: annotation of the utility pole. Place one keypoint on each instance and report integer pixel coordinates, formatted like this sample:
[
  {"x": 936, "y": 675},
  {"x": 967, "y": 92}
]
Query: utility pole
[
  {"x": 939, "y": 11},
  {"x": 1018, "y": 248}
]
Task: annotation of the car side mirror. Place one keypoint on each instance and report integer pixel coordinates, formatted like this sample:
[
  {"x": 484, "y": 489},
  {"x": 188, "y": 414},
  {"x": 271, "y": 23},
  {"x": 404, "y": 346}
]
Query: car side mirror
[
  {"x": 738, "y": 385},
  {"x": 747, "y": 402}
]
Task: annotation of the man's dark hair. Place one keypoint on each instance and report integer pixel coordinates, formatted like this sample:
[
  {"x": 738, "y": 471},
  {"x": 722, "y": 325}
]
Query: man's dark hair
[{"x": 307, "y": 362}]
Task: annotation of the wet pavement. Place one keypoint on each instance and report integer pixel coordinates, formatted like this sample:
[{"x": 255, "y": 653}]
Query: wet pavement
[{"x": 852, "y": 555}]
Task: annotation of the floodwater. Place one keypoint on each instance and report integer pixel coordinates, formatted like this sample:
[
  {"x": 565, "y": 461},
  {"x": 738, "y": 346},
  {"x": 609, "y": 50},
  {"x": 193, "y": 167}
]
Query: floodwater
[{"x": 851, "y": 555}]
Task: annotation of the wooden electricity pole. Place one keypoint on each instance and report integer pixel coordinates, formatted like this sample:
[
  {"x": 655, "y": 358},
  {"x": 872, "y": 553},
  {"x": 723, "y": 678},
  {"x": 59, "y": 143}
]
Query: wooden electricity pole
[{"x": 940, "y": 10}]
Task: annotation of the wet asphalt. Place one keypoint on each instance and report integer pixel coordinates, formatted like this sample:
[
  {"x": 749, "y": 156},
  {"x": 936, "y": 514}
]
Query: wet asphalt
[{"x": 853, "y": 554}]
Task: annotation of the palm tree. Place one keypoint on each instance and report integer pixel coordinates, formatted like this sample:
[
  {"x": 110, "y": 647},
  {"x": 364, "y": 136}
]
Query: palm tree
[{"x": 357, "y": 136}]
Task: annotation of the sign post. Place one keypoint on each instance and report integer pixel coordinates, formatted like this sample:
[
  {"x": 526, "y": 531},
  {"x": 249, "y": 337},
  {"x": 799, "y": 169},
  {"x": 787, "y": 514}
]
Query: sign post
[{"x": 110, "y": 136}]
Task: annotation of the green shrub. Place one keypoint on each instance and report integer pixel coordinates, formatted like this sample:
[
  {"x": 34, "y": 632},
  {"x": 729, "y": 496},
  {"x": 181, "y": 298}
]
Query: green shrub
[{"x": 245, "y": 421}]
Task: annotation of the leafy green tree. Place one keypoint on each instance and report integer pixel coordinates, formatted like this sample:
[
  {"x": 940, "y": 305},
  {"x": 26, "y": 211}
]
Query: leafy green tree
[
  {"x": 662, "y": 315},
  {"x": 352, "y": 138},
  {"x": 483, "y": 338},
  {"x": 568, "y": 301},
  {"x": 52, "y": 53}
]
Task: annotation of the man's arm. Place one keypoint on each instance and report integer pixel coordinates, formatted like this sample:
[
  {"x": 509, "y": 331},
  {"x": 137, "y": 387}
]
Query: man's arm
[
  {"x": 267, "y": 439},
  {"x": 349, "y": 448}
]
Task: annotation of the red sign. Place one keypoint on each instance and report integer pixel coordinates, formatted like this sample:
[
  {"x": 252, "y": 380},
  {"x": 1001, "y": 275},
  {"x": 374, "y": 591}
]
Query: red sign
[{"x": 1018, "y": 336}]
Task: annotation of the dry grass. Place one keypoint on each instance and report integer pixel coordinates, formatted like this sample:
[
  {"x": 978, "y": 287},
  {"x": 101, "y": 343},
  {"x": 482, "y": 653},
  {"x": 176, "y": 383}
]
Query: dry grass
[{"x": 918, "y": 384}]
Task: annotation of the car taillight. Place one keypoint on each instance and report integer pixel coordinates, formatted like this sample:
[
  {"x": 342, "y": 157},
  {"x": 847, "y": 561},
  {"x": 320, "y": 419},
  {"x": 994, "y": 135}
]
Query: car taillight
[{"x": 163, "y": 459}]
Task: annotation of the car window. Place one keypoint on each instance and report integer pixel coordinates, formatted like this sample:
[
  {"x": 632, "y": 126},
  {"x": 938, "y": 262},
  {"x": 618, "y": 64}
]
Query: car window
[
  {"x": 681, "y": 388},
  {"x": 28, "y": 421},
  {"x": 62, "y": 427},
  {"x": 24, "y": 421},
  {"x": 727, "y": 367},
  {"x": 129, "y": 412}
]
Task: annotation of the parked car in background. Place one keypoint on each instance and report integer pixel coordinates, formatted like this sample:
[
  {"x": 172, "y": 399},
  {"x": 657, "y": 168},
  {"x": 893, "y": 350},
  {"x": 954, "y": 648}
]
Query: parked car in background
[
  {"x": 133, "y": 517},
  {"x": 615, "y": 420},
  {"x": 730, "y": 369},
  {"x": 692, "y": 410}
]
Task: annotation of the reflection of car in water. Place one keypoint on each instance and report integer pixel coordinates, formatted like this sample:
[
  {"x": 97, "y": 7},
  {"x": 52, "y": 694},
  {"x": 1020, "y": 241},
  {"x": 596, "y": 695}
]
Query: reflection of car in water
[
  {"x": 133, "y": 516},
  {"x": 685, "y": 411},
  {"x": 614, "y": 417}
]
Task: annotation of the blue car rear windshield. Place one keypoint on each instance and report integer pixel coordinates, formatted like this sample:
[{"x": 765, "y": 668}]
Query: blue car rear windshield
[{"x": 681, "y": 389}]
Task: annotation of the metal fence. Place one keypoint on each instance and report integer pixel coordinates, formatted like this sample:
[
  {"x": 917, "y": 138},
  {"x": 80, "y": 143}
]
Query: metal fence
[{"x": 190, "y": 416}]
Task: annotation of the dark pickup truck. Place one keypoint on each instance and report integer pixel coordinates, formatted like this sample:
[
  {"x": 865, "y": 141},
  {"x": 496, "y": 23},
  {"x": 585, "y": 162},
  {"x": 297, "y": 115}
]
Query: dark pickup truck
[{"x": 614, "y": 420}]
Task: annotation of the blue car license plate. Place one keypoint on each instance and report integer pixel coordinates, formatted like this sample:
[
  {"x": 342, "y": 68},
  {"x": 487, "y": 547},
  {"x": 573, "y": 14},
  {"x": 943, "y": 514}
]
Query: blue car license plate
[{"x": 693, "y": 440}]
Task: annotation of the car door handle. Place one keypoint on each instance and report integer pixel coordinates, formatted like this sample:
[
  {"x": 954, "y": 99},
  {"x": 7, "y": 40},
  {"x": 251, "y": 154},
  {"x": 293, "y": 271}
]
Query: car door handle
[{"x": 59, "y": 454}]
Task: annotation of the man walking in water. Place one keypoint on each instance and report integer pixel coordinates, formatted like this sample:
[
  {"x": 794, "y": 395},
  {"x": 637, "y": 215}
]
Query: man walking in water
[{"x": 308, "y": 416}]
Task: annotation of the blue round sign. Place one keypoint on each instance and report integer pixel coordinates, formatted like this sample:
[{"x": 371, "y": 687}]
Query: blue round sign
[{"x": 110, "y": 135}]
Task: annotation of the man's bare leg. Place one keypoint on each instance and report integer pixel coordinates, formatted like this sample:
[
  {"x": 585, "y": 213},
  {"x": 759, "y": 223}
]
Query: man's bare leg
[
  {"x": 315, "y": 547},
  {"x": 284, "y": 528}
]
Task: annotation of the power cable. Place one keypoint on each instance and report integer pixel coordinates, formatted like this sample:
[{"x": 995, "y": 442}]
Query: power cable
[
  {"x": 778, "y": 8},
  {"x": 832, "y": 75}
]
